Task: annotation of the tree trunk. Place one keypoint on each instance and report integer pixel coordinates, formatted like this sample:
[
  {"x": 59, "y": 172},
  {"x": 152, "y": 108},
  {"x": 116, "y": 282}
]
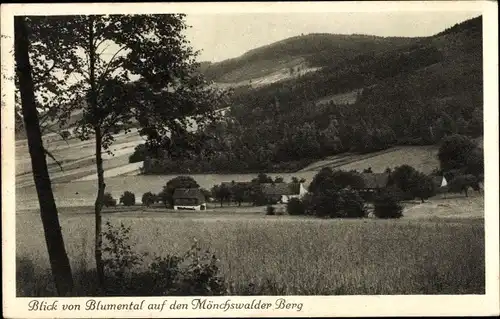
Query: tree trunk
[
  {"x": 59, "y": 262},
  {"x": 101, "y": 186},
  {"x": 98, "y": 156}
]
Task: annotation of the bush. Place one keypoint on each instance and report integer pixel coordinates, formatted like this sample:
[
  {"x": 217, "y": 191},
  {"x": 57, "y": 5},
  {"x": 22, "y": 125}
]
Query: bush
[
  {"x": 422, "y": 186},
  {"x": 402, "y": 177},
  {"x": 396, "y": 193},
  {"x": 221, "y": 193},
  {"x": 462, "y": 183},
  {"x": 332, "y": 203},
  {"x": 193, "y": 274},
  {"x": 295, "y": 207},
  {"x": 270, "y": 210},
  {"x": 127, "y": 199},
  {"x": 350, "y": 204},
  {"x": 454, "y": 151},
  {"x": 386, "y": 205},
  {"x": 118, "y": 257},
  {"x": 329, "y": 179},
  {"x": 148, "y": 199},
  {"x": 108, "y": 200},
  {"x": 65, "y": 135},
  {"x": 139, "y": 155}
]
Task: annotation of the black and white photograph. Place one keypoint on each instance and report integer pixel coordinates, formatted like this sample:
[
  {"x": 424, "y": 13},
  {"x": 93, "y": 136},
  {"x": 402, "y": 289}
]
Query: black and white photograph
[{"x": 259, "y": 152}]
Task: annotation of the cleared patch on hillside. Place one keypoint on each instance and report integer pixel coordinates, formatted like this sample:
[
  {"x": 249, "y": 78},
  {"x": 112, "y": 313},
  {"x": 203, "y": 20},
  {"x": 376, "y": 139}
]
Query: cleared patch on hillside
[
  {"x": 77, "y": 158},
  {"x": 341, "y": 99},
  {"x": 281, "y": 71}
]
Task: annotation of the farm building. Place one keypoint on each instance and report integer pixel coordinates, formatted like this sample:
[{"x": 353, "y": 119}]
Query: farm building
[
  {"x": 439, "y": 181},
  {"x": 283, "y": 192},
  {"x": 189, "y": 198},
  {"x": 373, "y": 183}
]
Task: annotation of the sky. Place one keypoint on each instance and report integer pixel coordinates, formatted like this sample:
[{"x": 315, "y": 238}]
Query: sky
[{"x": 228, "y": 35}]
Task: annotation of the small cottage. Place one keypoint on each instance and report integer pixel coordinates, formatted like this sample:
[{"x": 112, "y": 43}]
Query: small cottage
[
  {"x": 283, "y": 192},
  {"x": 373, "y": 183},
  {"x": 189, "y": 198}
]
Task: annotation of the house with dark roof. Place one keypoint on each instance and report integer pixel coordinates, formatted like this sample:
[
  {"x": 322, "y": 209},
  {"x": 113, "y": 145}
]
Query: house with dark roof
[
  {"x": 375, "y": 181},
  {"x": 372, "y": 184},
  {"x": 283, "y": 192},
  {"x": 189, "y": 198}
]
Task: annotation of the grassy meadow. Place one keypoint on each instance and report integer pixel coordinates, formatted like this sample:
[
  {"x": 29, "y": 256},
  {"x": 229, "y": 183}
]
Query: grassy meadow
[{"x": 295, "y": 255}]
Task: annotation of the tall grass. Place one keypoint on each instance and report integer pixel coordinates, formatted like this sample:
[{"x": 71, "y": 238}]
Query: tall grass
[{"x": 286, "y": 255}]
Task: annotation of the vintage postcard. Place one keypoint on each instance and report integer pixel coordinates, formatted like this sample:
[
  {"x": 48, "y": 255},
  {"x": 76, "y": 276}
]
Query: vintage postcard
[{"x": 274, "y": 159}]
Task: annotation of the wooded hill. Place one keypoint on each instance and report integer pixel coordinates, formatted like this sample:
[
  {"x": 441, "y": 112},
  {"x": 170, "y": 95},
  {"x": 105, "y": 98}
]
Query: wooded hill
[{"x": 408, "y": 91}]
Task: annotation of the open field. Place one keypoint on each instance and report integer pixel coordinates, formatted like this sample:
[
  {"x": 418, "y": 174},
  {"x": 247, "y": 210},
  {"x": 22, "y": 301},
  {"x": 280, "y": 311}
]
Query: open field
[
  {"x": 299, "y": 255},
  {"x": 76, "y": 157}
]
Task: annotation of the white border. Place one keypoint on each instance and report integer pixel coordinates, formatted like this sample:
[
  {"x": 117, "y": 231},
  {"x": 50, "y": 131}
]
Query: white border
[{"x": 348, "y": 306}]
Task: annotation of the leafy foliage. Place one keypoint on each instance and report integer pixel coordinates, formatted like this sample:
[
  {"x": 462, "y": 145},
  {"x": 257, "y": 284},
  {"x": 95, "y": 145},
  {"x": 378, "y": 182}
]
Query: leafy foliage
[
  {"x": 386, "y": 205},
  {"x": 148, "y": 199},
  {"x": 127, "y": 198},
  {"x": 295, "y": 207},
  {"x": 139, "y": 154},
  {"x": 270, "y": 210},
  {"x": 408, "y": 183},
  {"x": 195, "y": 273},
  {"x": 263, "y": 178},
  {"x": 329, "y": 179},
  {"x": 108, "y": 200},
  {"x": 454, "y": 151},
  {"x": 402, "y": 178},
  {"x": 462, "y": 183},
  {"x": 221, "y": 193},
  {"x": 119, "y": 257},
  {"x": 422, "y": 186},
  {"x": 335, "y": 203}
]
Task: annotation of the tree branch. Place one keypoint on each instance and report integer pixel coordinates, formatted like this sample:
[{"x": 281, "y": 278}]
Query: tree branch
[
  {"x": 53, "y": 158},
  {"x": 46, "y": 74},
  {"x": 108, "y": 66},
  {"x": 100, "y": 53}
]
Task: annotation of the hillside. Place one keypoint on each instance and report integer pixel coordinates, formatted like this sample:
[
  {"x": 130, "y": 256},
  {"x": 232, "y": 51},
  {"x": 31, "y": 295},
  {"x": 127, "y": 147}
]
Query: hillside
[
  {"x": 294, "y": 54},
  {"x": 366, "y": 94},
  {"x": 314, "y": 96},
  {"x": 283, "y": 60}
]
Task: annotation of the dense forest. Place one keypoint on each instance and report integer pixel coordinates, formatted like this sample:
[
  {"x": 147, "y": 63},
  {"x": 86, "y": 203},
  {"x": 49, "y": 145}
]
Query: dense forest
[{"x": 415, "y": 92}]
